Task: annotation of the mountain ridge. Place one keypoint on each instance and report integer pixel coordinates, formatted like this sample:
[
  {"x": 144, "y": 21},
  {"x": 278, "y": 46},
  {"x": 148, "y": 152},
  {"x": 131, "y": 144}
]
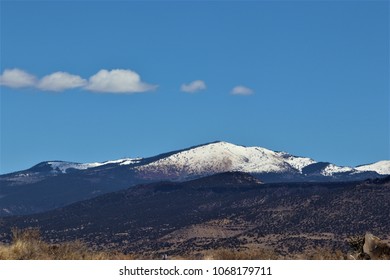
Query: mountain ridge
[
  {"x": 53, "y": 184},
  {"x": 292, "y": 160}
]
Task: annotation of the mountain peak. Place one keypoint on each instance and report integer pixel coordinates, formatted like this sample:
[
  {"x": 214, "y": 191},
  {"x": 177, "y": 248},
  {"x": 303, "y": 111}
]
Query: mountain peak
[
  {"x": 216, "y": 157},
  {"x": 217, "y": 143}
]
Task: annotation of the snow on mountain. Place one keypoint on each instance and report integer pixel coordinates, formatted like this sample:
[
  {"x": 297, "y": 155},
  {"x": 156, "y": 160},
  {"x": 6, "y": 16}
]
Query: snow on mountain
[
  {"x": 297, "y": 162},
  {"x": 332, "y": 169},
  {"x": 222, "y": 157},
  {"x": 63, "y": 166},
  {"x": 380, "y": 167},
  {"x": 130, "y": 161},
  {"x": 215, "y": 158}
]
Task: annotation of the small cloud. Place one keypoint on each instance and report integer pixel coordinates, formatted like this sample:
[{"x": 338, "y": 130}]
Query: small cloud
[
  {"x": 193, "y": 86},
  {"x": 16, "y": 78},
  {"x": 60, "y": 81},
  {"x": 241, "y": 90},
  {"x": 117, "y": 81}
]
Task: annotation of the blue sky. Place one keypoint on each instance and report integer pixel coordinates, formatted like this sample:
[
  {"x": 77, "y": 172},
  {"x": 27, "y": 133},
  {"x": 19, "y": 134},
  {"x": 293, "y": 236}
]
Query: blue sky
[{"x": 94, "y": 81}]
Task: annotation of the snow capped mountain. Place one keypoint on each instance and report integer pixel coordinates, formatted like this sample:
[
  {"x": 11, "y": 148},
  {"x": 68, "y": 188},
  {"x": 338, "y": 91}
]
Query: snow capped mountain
[
  {"x": 223, "y": 157},
  {"x": 380, "y": 167},
  {"x": 218, "y": 157},
  {"x": 210, "y": 159}
]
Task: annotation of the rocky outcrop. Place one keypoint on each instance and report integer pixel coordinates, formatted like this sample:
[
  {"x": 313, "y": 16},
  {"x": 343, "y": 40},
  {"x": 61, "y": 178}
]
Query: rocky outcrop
[
  {"x": 369, "y": 247},
  {"x": 375, "y": 248}
]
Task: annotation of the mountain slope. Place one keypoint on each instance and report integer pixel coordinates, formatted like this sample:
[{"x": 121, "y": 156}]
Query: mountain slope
[{"x": 227, "y": 210}]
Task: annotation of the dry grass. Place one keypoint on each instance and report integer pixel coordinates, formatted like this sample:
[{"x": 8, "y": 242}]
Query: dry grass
[
  {"x": 265, "y": 254},
  {"x": 320, "y": 254},
  {"x": 242, "y": 254},
  {"x": 27, "y": 245}
]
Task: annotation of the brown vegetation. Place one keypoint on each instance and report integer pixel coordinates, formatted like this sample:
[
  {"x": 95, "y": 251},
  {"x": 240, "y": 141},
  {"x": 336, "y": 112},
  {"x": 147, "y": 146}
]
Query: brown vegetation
[
  {"x": 244, "y": 254},
  {"x": 28, "y": 245},
  {"x": 265, "y": 254}
]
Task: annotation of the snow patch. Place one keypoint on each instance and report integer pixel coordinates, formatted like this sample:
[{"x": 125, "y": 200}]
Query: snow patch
[
  {"x": 381, "y": 167},
  {"x": 297, "y": 162},
  {"x": 64, "y": 166},
  {"x": 130, "y": 161},
  {"x": 332, "y": 169}
]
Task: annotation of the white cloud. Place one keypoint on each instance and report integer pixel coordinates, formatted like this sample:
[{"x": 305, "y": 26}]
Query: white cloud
[
  {"x": 60, "y": 81},
  {"x": 241, "y": 90},
  {"x": 16, "y": 78},
  {"x": 117, "y": 81},
  {"x": 193, "y": 86}
]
